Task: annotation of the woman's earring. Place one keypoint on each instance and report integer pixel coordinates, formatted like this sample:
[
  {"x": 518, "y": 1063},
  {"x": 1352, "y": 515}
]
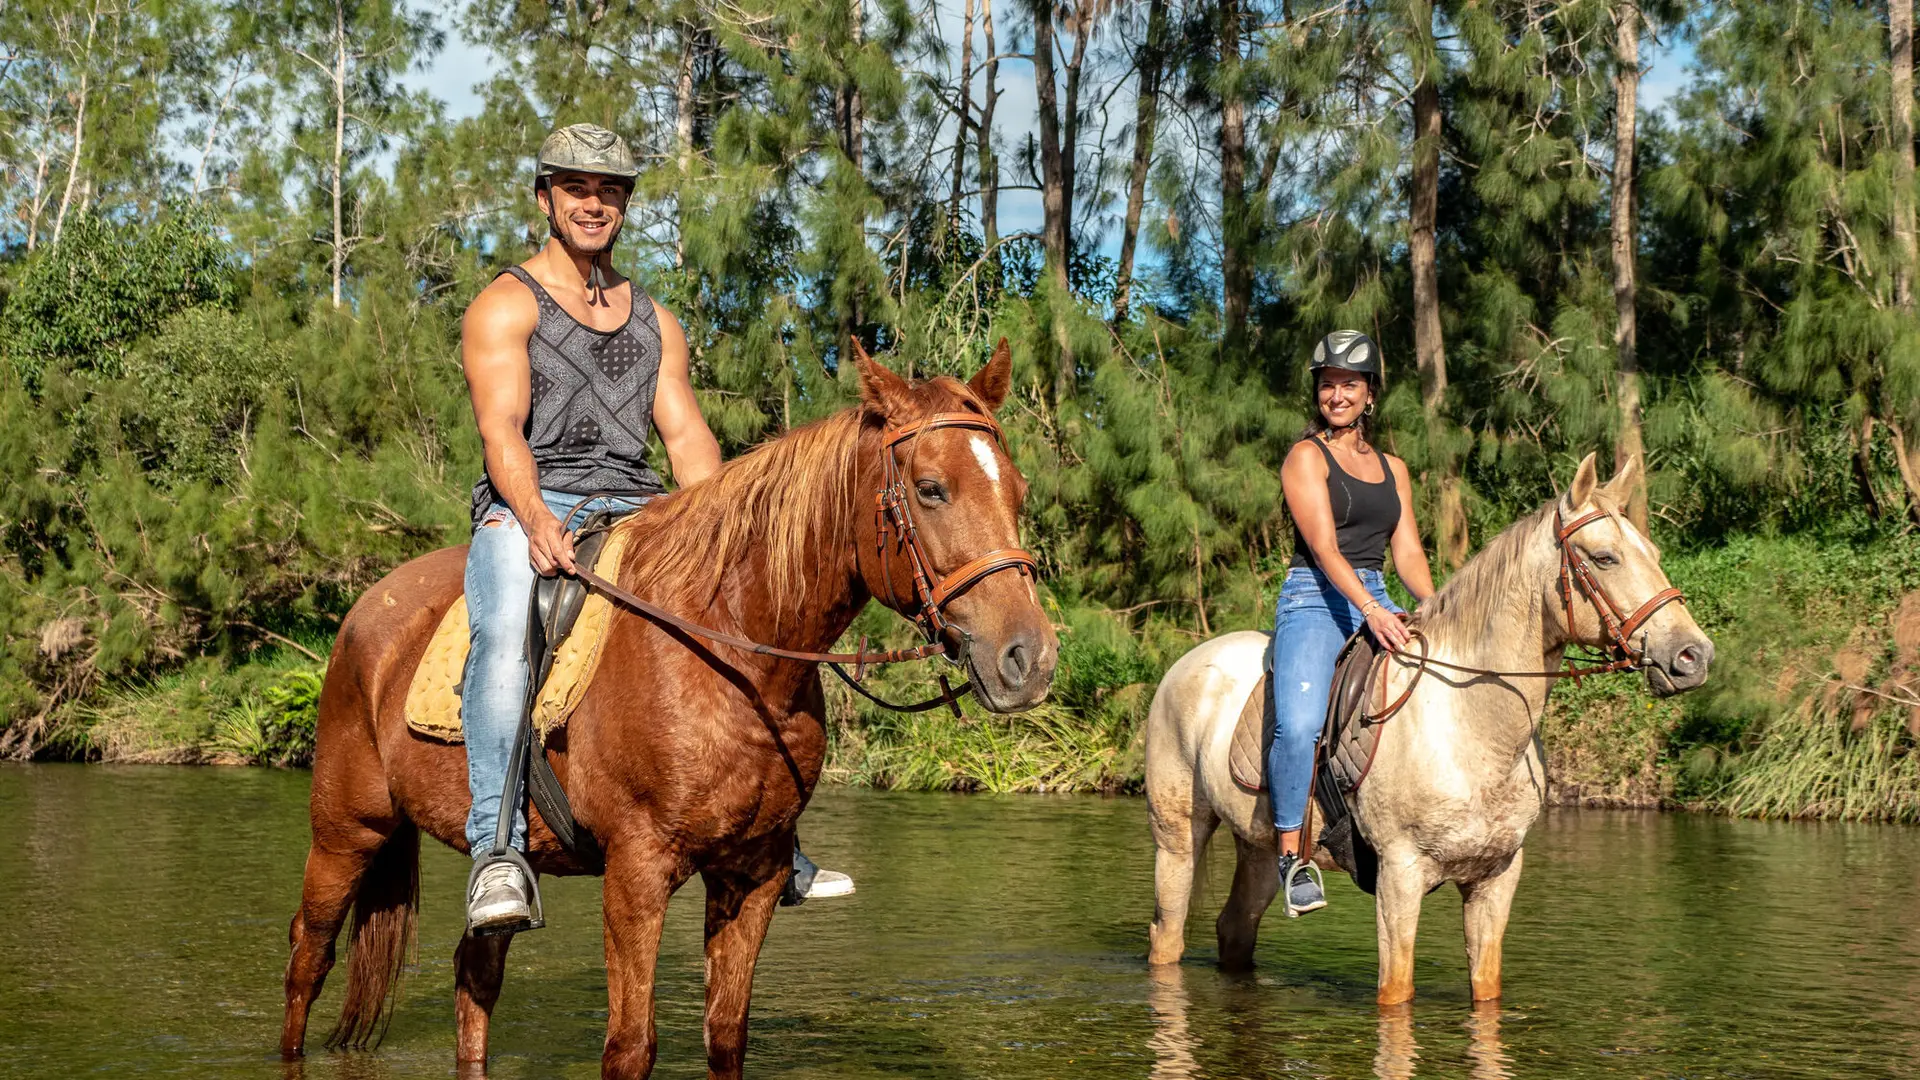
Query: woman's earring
[{"x": 1369, "y": 409}]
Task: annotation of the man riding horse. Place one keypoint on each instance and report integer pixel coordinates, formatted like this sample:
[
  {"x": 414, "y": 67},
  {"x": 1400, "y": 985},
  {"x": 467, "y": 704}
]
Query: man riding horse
[{"x": 570, "y": 366}]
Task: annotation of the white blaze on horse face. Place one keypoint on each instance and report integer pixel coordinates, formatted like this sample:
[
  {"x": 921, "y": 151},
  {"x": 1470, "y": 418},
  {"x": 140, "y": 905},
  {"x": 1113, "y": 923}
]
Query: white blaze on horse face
[{"x": 983, "y": 453}]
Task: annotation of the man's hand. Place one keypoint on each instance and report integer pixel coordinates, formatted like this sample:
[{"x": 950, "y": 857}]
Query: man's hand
[{"x": 550, "y": 545}]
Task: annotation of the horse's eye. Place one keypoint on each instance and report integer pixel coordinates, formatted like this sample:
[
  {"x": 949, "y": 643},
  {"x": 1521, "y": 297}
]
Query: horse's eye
[
  {"x": 1605, "y": 558},
  {"x": 931, "y": 491}
]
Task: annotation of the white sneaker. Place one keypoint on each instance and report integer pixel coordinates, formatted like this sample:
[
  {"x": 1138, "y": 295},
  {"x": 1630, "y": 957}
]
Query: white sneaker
[
  {"x": 829, "y": 883},
  {"x": 499, "y": 898}
]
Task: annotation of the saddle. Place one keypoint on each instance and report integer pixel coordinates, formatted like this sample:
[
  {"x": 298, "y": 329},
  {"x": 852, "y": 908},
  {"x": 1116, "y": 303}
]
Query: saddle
[
  {"x": 1342, "y": 755},
  {"x": 563, "y": 664}
]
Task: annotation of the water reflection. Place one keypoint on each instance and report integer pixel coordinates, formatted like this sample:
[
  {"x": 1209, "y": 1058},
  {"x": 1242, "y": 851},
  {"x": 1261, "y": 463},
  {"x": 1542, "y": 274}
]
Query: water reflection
[
  {"x": 1171, "y": 1042},
  {"x": 999, "y": 937},
  {"x": 1396, "y": 1052},
  {"x": 1489, "y": 1057}
]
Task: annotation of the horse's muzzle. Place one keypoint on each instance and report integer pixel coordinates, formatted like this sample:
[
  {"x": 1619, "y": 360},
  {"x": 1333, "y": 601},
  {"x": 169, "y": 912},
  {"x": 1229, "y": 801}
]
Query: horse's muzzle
[
  {"x": 1679, "y": 665},
  {"x": 1016, "y": 673}
]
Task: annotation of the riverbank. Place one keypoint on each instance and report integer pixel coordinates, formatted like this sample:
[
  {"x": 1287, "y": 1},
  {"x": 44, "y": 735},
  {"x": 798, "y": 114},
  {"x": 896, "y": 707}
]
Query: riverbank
[{"x": 1812, "y": 711}]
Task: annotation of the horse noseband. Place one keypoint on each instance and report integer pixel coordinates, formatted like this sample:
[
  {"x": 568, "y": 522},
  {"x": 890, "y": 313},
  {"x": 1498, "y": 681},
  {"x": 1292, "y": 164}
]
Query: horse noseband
[
  {"x": 1618, "y": 626},
  {"x": 893, "y": 515}
]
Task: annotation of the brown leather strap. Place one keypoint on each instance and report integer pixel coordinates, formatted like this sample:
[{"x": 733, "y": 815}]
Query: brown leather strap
[
  {"x": 660, "y": 614},
  {"x": 990, "y": 563}
]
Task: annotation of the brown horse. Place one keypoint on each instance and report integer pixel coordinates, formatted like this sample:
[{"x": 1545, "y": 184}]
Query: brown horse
[{"x": 683, "y": 757}]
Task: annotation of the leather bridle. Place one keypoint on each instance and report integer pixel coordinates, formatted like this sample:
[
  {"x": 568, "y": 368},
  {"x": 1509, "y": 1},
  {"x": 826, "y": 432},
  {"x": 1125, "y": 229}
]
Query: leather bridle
[
  {"x": 1576, "y": 574},
  {"x": 1616, "y": 626},
  {"x": 893, "y": 517},
  {"x": 893, "y": 520}
]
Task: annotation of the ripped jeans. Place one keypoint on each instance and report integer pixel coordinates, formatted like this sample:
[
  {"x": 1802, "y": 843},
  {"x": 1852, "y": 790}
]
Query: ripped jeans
[
  {"x": 493, "y": 688},
  {"x": 1310, "y": 624}
]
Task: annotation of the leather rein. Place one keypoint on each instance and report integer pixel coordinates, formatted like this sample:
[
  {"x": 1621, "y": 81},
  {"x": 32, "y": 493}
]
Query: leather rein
[
  {"x": 893, "y": 518},
  {"x": 1576, "y": 574}
]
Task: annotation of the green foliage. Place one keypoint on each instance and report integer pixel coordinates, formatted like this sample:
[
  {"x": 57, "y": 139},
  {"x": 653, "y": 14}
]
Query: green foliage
[
  {"x": 81, "y": 307},
  {"x": 231, "y": 396}
]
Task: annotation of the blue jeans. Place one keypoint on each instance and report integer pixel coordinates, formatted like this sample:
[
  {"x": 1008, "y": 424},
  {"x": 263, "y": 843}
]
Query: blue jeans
[
  {"x": 493, "y": 688},
  {"x": 1311, "y": 622}
]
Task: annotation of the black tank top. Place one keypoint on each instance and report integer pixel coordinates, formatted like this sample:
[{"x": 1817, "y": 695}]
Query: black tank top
[
  {"x": 592, "y": 405},
  {"x": 1364, "y": 515}
]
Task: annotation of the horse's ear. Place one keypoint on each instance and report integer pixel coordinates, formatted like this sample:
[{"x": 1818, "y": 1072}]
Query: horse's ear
[
  {"x": 991, "y": 383},
  {"x": 1585, "y": 481},
  {"x": 884, "y": 392},
  {"x": 1625, "y": 480}
]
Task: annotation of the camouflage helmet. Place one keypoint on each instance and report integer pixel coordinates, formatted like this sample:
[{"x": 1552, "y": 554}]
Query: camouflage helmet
[{"x": 587, "y": 148}]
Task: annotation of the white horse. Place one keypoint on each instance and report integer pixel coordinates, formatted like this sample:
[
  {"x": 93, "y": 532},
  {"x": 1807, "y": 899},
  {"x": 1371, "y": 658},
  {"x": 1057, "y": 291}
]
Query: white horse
[{"x": 1457, "y": 778}]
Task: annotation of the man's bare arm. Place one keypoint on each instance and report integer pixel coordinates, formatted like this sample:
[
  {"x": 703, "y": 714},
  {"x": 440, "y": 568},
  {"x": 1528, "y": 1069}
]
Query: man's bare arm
[
  {"x": 691, "y": 447},
  {"x": 493, "y": 352}
]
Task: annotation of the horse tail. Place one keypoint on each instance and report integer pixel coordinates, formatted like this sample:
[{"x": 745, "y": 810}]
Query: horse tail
[{"x": 385, "y": 912}]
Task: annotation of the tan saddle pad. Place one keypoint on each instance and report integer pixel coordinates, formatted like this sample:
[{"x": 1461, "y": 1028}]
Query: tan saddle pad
[
  {"x": 1349, "y": 744},
  {"x": 433, "y": 700}
]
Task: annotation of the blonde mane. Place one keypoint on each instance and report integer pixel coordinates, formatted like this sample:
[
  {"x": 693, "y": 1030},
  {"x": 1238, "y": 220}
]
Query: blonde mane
[
  {"x": 787, "y": 499},
  {"x": 1482, "y": 590}
]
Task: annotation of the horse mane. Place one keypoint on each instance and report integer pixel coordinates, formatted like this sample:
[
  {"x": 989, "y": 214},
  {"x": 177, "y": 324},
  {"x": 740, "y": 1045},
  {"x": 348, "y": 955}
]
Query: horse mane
[
  {"x": 787, "y": 499},
  {"x": 1475, "y": 597}
]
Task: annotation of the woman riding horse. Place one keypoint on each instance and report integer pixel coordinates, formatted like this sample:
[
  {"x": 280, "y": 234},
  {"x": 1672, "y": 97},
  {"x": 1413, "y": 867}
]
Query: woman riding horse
[{"x": 1349, "y": 501}]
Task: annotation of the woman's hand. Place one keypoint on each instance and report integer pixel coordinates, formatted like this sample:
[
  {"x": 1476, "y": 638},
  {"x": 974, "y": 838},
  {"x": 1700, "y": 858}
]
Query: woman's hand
[{"x": 1387, "y": 628}]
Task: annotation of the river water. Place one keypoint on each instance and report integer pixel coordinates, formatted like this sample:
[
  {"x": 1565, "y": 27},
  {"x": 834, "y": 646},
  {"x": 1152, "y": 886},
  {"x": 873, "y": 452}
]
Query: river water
[{"x": 143, "y": 916}]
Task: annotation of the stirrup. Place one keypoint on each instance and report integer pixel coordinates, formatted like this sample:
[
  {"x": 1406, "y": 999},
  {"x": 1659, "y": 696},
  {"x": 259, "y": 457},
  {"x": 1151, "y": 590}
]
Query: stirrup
[
  {"x": 537, "y": 914},
  {"x": 1286, "y": 887}
]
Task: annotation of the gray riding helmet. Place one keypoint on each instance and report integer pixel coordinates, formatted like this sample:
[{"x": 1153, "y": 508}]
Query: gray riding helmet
[
  {"x": 587, "y": 148},
  {"x": 1348, "y": 350}
]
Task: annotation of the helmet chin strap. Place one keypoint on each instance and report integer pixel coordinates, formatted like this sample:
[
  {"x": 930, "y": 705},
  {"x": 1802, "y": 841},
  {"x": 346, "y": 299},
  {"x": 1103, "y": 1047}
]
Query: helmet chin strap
[{"x": 597, "y": 273}]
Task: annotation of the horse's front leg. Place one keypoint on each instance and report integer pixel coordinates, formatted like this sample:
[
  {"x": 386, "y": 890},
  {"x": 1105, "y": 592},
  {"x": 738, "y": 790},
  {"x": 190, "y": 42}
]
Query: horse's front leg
[
  {"x": 639, "y": 882},
  {"x": 1487, "y": 903},
  {"x": 1397, "y": 917},
  {"x": 740, "y": 903}
]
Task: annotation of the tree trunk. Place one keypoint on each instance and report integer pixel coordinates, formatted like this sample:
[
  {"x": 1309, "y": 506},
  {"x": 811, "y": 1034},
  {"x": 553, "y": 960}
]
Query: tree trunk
[
  {"x": 1147, "y": 111},
  {"x": 1900, "y": 20},
  {"x": 683, "y": 134},
  {"x": 1626, "y": 86},
  {"x": 1863, "y": 466},
  {"x": 1054, "y": 200},
  {"x": 963, "y": 113},
  {"x": 1236, "y": 275},
  {"x": 339, "y": 140},
  {"x": 1429, "y": 350},
  {"x": 79, "y": 129},
  {"x": 851, "y": 144},
  {"x": 989, "y": 165}
]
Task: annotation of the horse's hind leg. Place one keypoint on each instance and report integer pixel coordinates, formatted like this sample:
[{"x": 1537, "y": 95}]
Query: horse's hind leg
[
  {"x": 479, "y": 965},
  {"x": 331, "y": 881},
  {"x": 1180, "y": 836},
  {"x": 1487, "y": 904},
  {"x": 1256, "y": 881},
  {"x": 739, "y": 908}
]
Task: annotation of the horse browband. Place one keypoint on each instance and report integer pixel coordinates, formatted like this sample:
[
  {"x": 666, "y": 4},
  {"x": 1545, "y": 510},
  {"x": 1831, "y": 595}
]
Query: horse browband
[{"x": 892, "y": 514}]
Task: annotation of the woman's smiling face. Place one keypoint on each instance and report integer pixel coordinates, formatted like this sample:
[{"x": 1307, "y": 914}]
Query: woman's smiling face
[{"x": 1343, "y": 396}]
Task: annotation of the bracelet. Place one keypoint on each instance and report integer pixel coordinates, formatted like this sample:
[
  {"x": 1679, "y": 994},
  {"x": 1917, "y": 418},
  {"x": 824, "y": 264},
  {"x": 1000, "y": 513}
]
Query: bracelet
[{"x": 1367, "y": 609}]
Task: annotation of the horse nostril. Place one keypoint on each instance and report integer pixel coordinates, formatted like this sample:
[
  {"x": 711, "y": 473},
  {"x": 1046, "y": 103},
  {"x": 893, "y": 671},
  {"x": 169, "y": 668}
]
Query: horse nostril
[{"x": 1016, "y": 662}]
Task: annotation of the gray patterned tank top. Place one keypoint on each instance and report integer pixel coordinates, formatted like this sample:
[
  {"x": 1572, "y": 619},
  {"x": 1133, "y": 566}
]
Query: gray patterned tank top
[{"x": 592, "y": 407}]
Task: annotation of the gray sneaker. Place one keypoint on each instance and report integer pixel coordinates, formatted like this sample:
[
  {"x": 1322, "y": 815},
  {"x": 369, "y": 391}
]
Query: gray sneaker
[
  {"x": 499, "y": 898},
  {"x": 1301, "y": 886},
  {"x": 809, "y": 882}
]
